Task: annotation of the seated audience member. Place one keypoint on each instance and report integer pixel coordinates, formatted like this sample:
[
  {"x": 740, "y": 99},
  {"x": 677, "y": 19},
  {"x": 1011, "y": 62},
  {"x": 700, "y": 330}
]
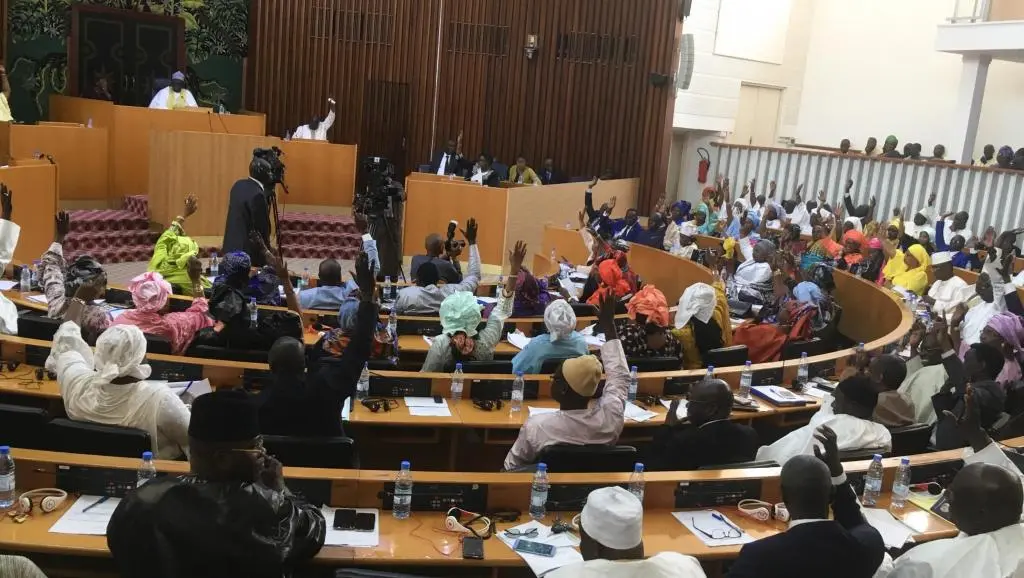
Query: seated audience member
[
  {"x": 330, "y": 292},
  {"x": 628, "y": 228},
  {"x": 654, "y": 234},
  {"x": 979, "y": 369},
  {"x": 708, "y": 224},
  {"x": 1005, "y": 157},
  {"x": 562, "y": 341},
  {"x": 229, "y": 307},
  {"x": 522, "y": 174},
  {"x": 791, "y": 242},
  {"x": 823, "y": 249},
  {"x": 19, "y": 567},
  {"x": 925, "y": 373},
  {"x": 844, "y": 146},
  {"x": 573, "y": 385},
  {"x": 151, "y": 294},
  {"x": 702, "y": 323},
  {"x": 425, "y": 298},
  {"x": 849, "y": 416},
  {"x": 685, "y": 244},
  {"x": 532, "y": 295},
  {"x": 609, "y": 279},
  {"x": 967, "y": 324},
  {"x": 9, "y": 234},
  {"x": 871, "y": 147},
  {"x": 60, "y": 282},
  {"x": 678, "y": 213},
  {"x": 231, "y": 516},
  {"x": 598, "y": 220},
  {"x": 449, "y": 161},
  {"x": 789, "y": 317},
  {"x": 894, "y": 409},
  {"x": 909, "y": 271},
  {"x": 710, "y": 437},
  {"x": 1018, "y": 160},
  {"x": 918, "y": 230},
  {"x": 612, "y": 542},
  {"x": 447, "y": 271},
  {"x": 889, "y": 148},
  {"x": 549, "y": 175},
  {"x": 957, "y": 226},
  {"x": 947, "y": 291},
  {"x": 484, "y": 173},
  {"x": 174, "y": 252},
  {"x": 109, "y": 386},
  {"x": 985, "y": 501},
  {"x": 647, "y": 331},
  {"x": 307, "y": 403},
  {"x": 235, "y": 271},
  {"x": 845, "y": 546},
  {"x": 460, "y": 317},
  {"x": 752, "y": 281},
  {"x": 1005, "y": 332}
]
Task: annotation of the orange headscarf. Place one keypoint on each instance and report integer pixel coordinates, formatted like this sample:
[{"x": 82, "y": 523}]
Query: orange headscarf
[
  {"x": 857, "y": 237},
  {"x": 611, "y": 281},
  {"x": 651, "y": 303}
]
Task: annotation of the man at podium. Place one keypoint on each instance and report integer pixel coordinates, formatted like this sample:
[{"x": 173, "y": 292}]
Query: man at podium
[{"x": 174, "y": 96}]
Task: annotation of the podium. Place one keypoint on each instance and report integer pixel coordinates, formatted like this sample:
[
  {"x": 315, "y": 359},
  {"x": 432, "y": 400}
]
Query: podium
[
  {"x": 80, "y": 153},
  {"x": 34, "y": 186}
]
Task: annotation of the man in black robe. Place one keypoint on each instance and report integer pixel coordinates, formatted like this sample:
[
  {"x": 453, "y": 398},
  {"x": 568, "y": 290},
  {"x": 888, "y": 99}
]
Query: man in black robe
[
  {"x": 248, "y": 210},
  {"x": 231, "y": 516}
]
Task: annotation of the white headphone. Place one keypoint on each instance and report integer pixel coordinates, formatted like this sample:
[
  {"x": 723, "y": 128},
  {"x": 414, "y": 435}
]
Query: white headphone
[
  {"x": 453, "y": 522},
  {"x": 763, "y": 511},
  {"x": 52, "y": 498}
]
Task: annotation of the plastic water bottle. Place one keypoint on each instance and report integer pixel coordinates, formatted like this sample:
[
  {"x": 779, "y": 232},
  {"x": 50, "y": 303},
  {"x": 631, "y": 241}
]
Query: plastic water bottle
[
  {"x": 214, "y": 265},
  {"x": 873, "y": 482},
  {"x": 539, "y": 492},
  {"x": 554, "y": 256},
  {"x": 710, "y": 374},
  {"x": 501, "y": 283},
  {"x": 387, "y": 288},
  {"x": 6, "y": 478},
  {"x": 305, "y": 278},
  {"x": 457, "y": 380},
  {"x": 518, "y": 391},
  {"x": 633, "y": 384},
  {"x": 146, "y": 471},
  {"x": 393, "y": 323},
  {"x": 403, "y": 493},
  {"x": 253, "y": 312},
  {"x": 363, "y": 385},
  {"x": 89, "y": 124},
  {"x": 636, "y": 482},
  {"x": 803, "y": 371},
  {"x": 859, "y": 348},
  {"x": 26, "y": 279},
  {"x": 37, "y": 272},
  {"x": 901, "y": 485},
  {"x": 746, "y": 380}
]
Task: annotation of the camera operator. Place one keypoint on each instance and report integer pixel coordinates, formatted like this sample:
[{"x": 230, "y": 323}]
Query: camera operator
[
  {"x": 442, "y": 253},
  {"x": 249, "y": 206}
]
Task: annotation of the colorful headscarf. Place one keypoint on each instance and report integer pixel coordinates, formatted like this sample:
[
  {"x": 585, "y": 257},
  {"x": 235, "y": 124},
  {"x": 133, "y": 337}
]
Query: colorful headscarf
[
  {"x": 1010, "y": 328},
  {"x": 651, "y": 303},
  {"x": 916, "y": 279},
  {"x": 531, "y": 297},
  {"x": 858, "y": 238},
  {"x": 611, "y": 280},
  {"x": 807, "y": 292},
  {"x": 81, "y": 270},
  {"x": 875, "y": 243},
  {"x": 684, "y": 207},
  {"x": 264, "y": 286},
  {"x": 891, "y": 140},
  {"x": 233, "y": 264},
  {"x": 460, "y": 313},
  {"x": 150, "y": 292}
]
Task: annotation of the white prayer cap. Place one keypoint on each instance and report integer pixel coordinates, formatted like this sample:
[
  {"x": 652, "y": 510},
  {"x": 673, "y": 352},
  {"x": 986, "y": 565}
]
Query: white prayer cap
[
  {"x": 560, "y": 319},
  {"x": 697, "y": 301},
  {"x": 614, "y": 518},
  {"x": 856, "y": 223},
  {"x": 179, "y": 75},
  {"x": 941, "y": 257}
]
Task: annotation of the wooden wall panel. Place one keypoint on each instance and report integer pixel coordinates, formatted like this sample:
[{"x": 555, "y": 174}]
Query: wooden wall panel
[{"x": 409, "y": 74}]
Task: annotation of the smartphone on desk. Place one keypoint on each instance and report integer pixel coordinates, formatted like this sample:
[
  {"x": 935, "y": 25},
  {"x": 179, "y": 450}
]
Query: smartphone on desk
[
  {"x": 365, "y": 522},
  {"x": 537, "y": 548},
  {"x": 473, "y": 548},
  {"x": 344, "y": 519}
]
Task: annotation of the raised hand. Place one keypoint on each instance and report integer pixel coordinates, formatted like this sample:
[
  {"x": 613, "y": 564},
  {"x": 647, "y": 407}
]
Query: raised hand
[
  {"x": 516, "y": 257},
  {"x": 672, "y": 418},
  {"x": 849, "y": 185},
  {"x": 799, "y": 191},
  {"x": 6, "y": 203},
  {"x": 771, "y": 189},
  {"x": 821, "y": 196},
  {"x": 195, "y": 270},
  {"x": 828, "y": 440},
  {"x": 470, "y": 231},
  {"x": 593, "y": 183},
  {"x": 365, "y": 277},
  {"x": 606, "y": 316},
  {"x": 62, "y": 223}
]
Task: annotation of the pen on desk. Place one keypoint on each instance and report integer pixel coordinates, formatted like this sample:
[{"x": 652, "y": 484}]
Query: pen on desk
[
  {"x": 186, "y": 388},
  {"x": 96, "y": 503},
  {"x": 725, "y": 521}
]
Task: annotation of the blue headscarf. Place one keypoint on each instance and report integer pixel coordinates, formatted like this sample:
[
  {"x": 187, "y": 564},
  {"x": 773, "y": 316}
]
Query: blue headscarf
[
  {"x": 232, "y": 264},
  {"x": 807, "y": 292},
  {"x": 684, "y": 211}
]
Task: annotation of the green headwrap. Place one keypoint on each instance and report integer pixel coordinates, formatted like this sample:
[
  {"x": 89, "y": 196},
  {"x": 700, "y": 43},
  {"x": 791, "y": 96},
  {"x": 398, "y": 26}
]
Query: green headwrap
[
  {"x": 460, "y": 312},
  {"x": 891, "y": 140}
]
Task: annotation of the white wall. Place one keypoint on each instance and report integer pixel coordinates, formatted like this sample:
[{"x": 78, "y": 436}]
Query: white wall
[
  {"x": 872, "y": 70},
  {"x": 712, "y": 100}
]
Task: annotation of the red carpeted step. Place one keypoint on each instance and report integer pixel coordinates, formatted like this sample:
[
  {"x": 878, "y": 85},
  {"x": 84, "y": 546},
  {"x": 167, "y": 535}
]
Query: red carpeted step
[
  {"x": 107, "y": 220},
  {"x": 320, "y": 252},
  {"x": 138, "y": 204},
  {"x": 116, "y": 253},
  {"x": 302, "y": 222},
  {"x": 325, "y": 238},
  {"x": 87, "y": 242}
]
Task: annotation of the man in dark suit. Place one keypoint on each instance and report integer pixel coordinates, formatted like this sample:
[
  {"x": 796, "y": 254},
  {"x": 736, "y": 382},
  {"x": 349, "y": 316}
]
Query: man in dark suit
[
  {"x": 450, "y": 160},
  {"x": 815, "y": 546},
  {"x": 710, "y": 438},
  {"x": 484, "y": 173},
  {"x": 549, "y": 175},
  {"x": 248, "y": 210},
  {"x": 628, "y": 228}
]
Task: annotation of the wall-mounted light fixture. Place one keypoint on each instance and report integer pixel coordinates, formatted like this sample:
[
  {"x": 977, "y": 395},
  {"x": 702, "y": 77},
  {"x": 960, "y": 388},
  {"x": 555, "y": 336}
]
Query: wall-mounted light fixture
[{"x": 531, "y": 46}]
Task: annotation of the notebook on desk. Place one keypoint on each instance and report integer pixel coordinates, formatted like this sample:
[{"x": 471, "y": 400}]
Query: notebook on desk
[{"x": 779, "y": 396}]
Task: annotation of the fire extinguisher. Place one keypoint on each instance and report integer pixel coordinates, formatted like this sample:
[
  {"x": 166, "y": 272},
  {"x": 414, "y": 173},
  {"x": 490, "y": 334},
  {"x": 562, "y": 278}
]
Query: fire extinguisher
[{"x": 704, "y": 165}]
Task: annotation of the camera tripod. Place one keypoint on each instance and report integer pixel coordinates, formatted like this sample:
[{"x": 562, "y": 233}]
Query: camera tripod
[{"x": 383, "y": 228}]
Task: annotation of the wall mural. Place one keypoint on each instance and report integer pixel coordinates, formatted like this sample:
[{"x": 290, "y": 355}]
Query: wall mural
[{"x": 216, "y": 42}]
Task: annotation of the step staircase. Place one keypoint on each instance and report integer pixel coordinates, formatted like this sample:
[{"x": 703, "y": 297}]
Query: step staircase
[{"x": 315, "y": 236}]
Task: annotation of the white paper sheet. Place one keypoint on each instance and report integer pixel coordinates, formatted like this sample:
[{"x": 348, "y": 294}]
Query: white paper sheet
[
  {"x": 6, "y": 285},
  {"x": 429, "y": 340},
  {"x": 815, "y": 392},
  {"x": 424, "y": 402},
  {"x": 486, "y": 300},
  {"x": 568, "y": 285},
  {"x": 38, "y": 299},
  {"x": 92, "y": 523},
  {"x": 352, "y": 538},
  {"x": 705, "y": 520},
  {"x": 116, "y": 312},
  {"x": 680, "y": 411},
  {"x": 894, "y": 533},
  {"x": 540, "y": 410},
  {"x": 188, "y": 391},
  {"x": 636, "y": 413},
  {"x": 346, "y": 409},
  {"x": 438, "y": 411},
  {"x": 519, "y": 340},
  {"x": 565, "y": 551}
]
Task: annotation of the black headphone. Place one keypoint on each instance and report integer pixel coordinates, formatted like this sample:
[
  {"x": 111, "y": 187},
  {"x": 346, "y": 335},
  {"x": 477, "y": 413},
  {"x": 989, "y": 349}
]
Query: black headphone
[
  {"x": 487, "y": 404},
  {"x": 379, "y": 404}
]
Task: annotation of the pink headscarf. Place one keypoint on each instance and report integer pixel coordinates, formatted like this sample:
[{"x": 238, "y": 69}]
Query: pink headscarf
[
  {"x": 1010, "y": 328},
  {"x": 874, "y": 243},
  {"x": 150, "y": 292}
]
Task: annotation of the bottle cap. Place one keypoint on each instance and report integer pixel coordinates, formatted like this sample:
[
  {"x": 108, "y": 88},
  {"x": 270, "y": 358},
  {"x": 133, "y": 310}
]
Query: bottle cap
[
  {"x": 405, "y": 465},
  {"x": 638, "y": 467},
  {"x": 803, "y": 354},
  {"x": 633, "y": 368},
  {"x": 519, "y": 374},
  {"x": 147, "y": 455},
  {"x": 252, "y": 300},
  {"x": 711, "y": 368},
  {"x": 4, "y": 450},
  {"x": 905, "y": 461},
  {"x": 458, "y": 367},
  {"x": 542, "y": 467},
  {"x": 877, "y": 457},
  {"x": 747, "y": 363}
]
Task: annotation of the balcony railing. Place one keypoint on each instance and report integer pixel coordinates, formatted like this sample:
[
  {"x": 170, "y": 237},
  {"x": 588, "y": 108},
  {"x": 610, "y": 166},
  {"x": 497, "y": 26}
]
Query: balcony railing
[{"x": 987, "y": 11}]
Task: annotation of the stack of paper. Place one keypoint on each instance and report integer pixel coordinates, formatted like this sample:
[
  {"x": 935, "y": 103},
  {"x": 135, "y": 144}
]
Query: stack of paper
[
  {"x": 352, "y": 538},
  {"x": 6, "y": 285},
  {"x": 592, "y": 339},
  {"x": 38, "y": 299},
  {"x": 572, "y": 288},
  {"x": 92, "y": 523},
  {"x": 636, "y": 413},
  {"x": 427, "y": 407},
  {"x": 713, "y": 528},
  {"x": 680, "y": 411},
  {"x": 519, "y": 340},
  {"x": 894, "y": 533},
  {"x": 564, "y": 543}
]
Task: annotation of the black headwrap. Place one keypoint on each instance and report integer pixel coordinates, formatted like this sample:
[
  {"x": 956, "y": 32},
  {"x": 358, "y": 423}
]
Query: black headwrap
[{"x": 81, "y": 270}]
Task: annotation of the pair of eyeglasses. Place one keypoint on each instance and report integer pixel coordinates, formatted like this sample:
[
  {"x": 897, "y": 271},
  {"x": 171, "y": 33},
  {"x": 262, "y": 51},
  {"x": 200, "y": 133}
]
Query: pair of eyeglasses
[
  {"x": 531, "y": 533},
  {"x": 488, "y": 404},
  {"x": 380, "y": 404},
  {"x": 718, "y": 533}
]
